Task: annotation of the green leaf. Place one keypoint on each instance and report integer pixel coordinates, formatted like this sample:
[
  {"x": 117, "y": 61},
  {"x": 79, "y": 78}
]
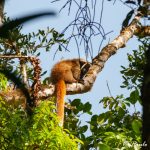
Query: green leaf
[
  {"x": 43, "y": 40},
  {"x": 87, "y": 107},
  {"x": 121, "y": 112},
  {"x": 101, "y": 118},
  {"x": 103, "y": 146},
  {"x": 38, "y": 54},
  {"x": 44, "y": 73},
  {"x": 83, "y": 129},
  {"x": 94, "y": 120},
  {"x": 136, "y": 126},
  {"x": 134, "y": 96},
  {"x": 76, "y": 102},
  {"x": 60, "y": 49}
]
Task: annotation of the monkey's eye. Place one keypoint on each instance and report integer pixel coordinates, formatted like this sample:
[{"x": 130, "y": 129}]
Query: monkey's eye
[{"x": 84, "y": 70}]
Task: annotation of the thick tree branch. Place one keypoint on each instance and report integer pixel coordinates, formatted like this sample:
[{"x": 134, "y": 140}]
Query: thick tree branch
[{"x": 143, "y": 31}]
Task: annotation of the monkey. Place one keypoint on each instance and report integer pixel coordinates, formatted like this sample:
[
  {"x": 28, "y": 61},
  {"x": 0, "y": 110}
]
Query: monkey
[{"x": 66, "y": 71}]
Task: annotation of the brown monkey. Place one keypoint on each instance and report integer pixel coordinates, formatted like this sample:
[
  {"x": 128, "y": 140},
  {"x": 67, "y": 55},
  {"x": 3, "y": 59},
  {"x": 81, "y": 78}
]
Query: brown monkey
[{"x": 67, "y": 71}]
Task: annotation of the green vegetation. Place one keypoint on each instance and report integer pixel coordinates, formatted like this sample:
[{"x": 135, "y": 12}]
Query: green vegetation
[
  {"x": 117, "y": 128},
  {"x": 39, "y": 131}
]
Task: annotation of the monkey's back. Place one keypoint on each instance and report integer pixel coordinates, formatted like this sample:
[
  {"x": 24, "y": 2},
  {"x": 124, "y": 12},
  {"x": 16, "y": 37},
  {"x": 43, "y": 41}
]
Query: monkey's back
[{"x": 67, "y": 70}]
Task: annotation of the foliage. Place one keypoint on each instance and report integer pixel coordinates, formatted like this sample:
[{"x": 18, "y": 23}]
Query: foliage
[
  {"x": 3, "y": 82},
  {"x": 40, "y": 131},
  {"x": 114, "y": 129},
  {"x": 133, "y": 74}
]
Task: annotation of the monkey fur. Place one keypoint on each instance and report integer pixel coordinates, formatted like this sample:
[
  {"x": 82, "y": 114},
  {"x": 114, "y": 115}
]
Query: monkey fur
[{"x": 67, "y": 71}]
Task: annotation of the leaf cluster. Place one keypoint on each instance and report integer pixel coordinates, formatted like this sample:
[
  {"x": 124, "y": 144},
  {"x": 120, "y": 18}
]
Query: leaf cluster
[
  {"x": 133, "y": 74},
  {"x": 39, "y": 131},
  {"x": 114, "y": 129}
]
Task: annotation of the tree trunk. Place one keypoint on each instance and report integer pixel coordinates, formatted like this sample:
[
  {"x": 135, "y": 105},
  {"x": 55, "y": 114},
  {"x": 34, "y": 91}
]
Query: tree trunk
[{"x": 145, "y": 92}]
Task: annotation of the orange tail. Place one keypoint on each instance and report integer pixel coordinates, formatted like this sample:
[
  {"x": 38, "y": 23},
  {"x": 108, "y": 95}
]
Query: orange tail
[{"x": 61, "y": 92}]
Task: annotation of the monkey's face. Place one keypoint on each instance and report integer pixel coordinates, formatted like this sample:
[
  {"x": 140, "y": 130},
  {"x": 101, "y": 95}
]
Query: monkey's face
[{"x": 84, "y": 68}]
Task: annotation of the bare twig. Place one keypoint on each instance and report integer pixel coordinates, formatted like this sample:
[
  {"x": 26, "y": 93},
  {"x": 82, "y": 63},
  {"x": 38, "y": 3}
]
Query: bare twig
[
  {"x": 84, "y": 28},
  {"x": 13, "y": 56}
]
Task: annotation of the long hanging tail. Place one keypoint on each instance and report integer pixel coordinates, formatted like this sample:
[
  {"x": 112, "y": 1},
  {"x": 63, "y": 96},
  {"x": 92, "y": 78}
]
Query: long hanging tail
[{"x": 61, "y": 92}]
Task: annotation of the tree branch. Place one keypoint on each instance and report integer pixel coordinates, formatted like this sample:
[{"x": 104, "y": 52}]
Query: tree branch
[
  {"x": 97, "y": 63},
  {"x": 143, "y": 31}
]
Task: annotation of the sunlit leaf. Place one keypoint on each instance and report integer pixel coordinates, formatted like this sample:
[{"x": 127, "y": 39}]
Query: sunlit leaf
[
  {"x": 103, "y": 146},
  {"x": 136, "y": 125}
]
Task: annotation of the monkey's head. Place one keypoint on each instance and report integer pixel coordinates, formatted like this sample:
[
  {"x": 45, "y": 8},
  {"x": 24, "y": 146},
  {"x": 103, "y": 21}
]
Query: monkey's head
[{"x": 84, "y": 65}]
